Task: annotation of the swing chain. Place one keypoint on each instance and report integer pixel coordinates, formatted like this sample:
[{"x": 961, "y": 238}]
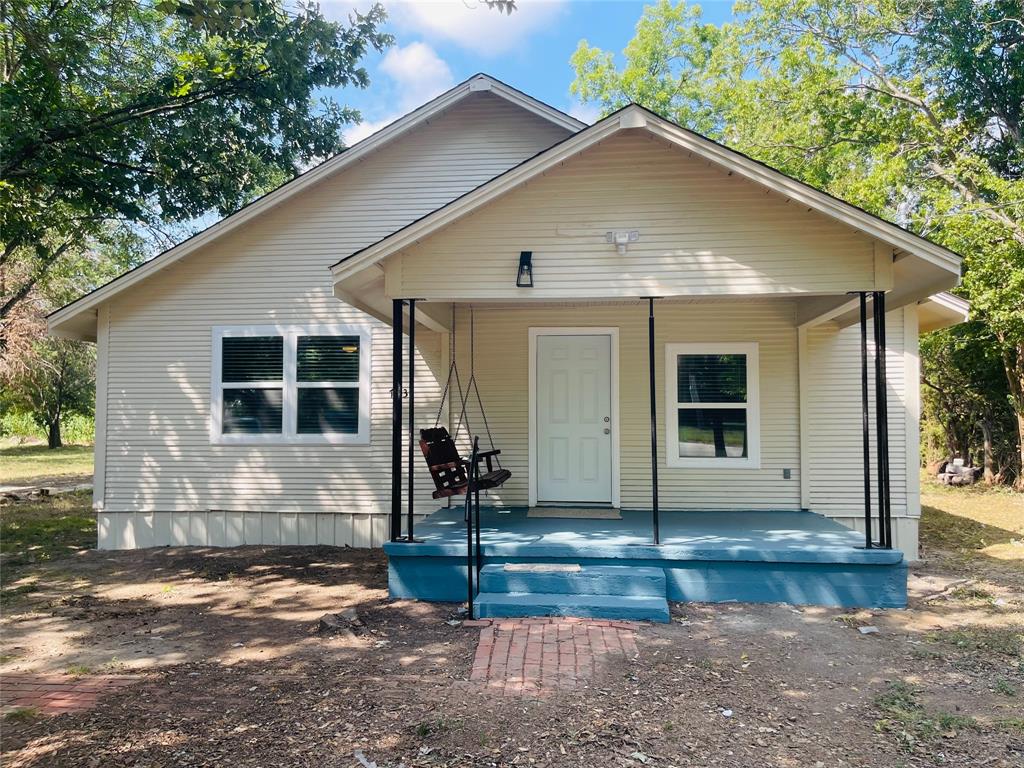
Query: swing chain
[{"x": 471, "y": 385}]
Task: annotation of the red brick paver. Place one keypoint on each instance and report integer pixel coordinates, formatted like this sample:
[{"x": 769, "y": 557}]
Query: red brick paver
[
  {"x": 56, "y": 694},
  {"x": 536, "y": 656}
]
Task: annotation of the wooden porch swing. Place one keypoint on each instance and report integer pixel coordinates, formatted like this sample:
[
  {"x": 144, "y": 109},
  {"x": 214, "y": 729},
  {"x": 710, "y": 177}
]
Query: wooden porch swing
[{"x": 452, "y": 474}]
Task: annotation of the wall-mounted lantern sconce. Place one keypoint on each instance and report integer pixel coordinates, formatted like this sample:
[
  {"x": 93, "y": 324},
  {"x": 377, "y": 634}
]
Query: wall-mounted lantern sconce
[{"x": 524, "y": 278}]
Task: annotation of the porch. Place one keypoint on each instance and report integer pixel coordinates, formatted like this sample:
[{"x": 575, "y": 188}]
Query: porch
[
  {"x": 655, "y": 326},
  {"x": 709, "y": 514},
  {"x": 796, "y": 557}
]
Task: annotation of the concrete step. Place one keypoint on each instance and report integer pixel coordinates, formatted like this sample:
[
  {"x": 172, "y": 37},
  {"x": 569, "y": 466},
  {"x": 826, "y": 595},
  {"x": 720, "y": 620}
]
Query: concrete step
[
  {"x": 572, "y": 579},
  {"x": 492, "y": 605}
]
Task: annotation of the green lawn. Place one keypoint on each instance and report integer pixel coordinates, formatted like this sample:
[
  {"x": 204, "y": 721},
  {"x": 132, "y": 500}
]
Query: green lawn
[
  {"x": 39, "y": 531},
  {"x": 975, "y": 522},
  {"x": 25, "y": 464}
]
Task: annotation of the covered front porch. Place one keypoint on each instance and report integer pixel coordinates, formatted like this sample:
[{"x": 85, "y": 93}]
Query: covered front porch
[
  {"x": 656, "y": 324},
  {"x": 796, "y": 557},
  {"x": 672, "y": 510}
]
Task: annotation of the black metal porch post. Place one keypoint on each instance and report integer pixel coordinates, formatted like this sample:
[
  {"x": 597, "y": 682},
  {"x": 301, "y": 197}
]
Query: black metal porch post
[
  {"x": 654, "y": 420},
  {"x": 865, "y": 422},
  {"x": 396, "y": 419},
  {"x": 412, "y": 419},
  {"x": 882, "y": 421}
]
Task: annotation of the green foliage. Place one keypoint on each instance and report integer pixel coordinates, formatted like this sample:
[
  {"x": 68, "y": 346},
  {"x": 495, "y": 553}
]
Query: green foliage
[
  {"x": 911, "y": 111},
  {"x": 967, "y": 398},
  {"x": 44, "y": 530},
  {"x": 906, "y": 718},
  {"x": 152, "y": 113},
  {"x": 54, "y": 379},
  {"x": 75, "y": 428},
  {"x": 23, "y": 714}
]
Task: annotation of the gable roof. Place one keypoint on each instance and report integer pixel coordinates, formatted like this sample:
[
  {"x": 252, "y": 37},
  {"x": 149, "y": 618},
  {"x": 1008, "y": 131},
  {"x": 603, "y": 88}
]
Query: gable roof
[
  {"x": 72, "y": 318},
  {"x": 633, "y": 116}
]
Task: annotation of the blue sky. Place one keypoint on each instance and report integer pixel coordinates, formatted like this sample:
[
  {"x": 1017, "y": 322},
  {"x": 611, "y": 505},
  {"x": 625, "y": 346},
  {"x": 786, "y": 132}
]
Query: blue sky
[{"x": 441, "y": 42}]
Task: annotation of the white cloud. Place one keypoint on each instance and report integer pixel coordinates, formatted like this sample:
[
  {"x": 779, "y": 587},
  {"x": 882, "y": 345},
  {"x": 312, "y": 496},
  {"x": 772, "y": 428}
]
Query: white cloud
[
  {"x": 472, "y": 25},
  {"x": 419, "y": 73},
  {"x": 366, "y": 128},
  {"x": 416, "y": 74},
  {"x": 587, "y": 113}
]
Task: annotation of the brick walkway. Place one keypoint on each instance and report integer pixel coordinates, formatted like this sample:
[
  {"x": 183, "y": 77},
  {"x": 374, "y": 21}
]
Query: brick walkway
[
  {"x": 56, "y": 694},
  {"x": 533, "y": 657}
]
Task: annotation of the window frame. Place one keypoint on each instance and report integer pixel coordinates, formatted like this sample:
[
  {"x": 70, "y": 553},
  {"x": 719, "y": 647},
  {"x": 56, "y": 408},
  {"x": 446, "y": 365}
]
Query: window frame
[
  {"x": 752, "y": 405},
  {"x": 290, "y": 386}
]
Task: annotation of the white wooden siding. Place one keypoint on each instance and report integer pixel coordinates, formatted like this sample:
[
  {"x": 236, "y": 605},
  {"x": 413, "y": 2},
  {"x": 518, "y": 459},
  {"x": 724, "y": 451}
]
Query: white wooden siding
[
  {"x": 835, "y": 449},
  {"x": 164, "y": 481},
  {"x": 702, "y": 232},
  {"x": 831, "y": 406},
  {"x": 502, "y": 338}
]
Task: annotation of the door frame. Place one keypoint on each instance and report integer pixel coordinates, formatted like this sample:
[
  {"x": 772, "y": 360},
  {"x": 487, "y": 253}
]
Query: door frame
[{"x": 613, "y": 334}]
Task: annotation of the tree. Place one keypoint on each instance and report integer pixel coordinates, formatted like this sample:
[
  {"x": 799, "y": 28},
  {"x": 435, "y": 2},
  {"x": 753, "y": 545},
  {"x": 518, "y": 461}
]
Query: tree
[
  {"x": 909, "y": 109},
  {"x": 56, "y": 380},
  {"x": 53, "y": 378},
  {"x": 143, "y": 114},
  {"x": 966, "y": 397}
]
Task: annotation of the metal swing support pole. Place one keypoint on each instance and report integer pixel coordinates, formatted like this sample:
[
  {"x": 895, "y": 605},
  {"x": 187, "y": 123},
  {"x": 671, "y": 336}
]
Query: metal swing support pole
[
  {"x": 396, "y": 418},
  {"x": 882, "y": 422},
  {"x": 411, "y": 502},
  {"x": 865, "y": 421},
  {"x": 654, "y": 421}
]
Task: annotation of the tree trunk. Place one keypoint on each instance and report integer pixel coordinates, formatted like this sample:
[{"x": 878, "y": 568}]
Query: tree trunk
[
  {"x": 1019, "y": 485},
  {"x": 1013, "y": 362},
  {"x": 986, "y": 447},
  {"x": 53, "y": 435}
]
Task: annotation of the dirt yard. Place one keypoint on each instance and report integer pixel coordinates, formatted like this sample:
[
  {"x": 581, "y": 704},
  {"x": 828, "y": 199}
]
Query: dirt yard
[{"x": 227, "y": 667}]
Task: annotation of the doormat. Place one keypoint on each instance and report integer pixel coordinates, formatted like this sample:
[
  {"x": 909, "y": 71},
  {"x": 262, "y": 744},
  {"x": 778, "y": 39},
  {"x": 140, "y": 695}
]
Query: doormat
[{"x": 576, "y": 513}]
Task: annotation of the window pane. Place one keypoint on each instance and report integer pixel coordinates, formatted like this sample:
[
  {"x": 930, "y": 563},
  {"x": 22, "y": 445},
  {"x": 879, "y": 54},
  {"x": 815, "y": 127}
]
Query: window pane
[
  {"x": 713, "y": 433},
  {"x": 328, "y": 358},
  {"x": 328, "y": 410},
  {"x": 252, "y": 411},
  {"x": 712, "y": 378},
  {"x": 252, "y": 358}
]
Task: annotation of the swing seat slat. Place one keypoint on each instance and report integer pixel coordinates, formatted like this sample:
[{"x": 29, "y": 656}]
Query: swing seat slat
[{"x": 450, "y": 471}]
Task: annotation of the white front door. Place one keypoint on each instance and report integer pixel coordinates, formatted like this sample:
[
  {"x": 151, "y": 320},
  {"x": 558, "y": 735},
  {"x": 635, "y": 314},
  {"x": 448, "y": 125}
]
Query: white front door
[{"x": 574, "y": 429}]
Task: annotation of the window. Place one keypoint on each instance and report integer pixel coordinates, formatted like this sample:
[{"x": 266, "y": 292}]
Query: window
[
  {"x": 291, "y": 385},
  {"x": 712, "y": 417}
]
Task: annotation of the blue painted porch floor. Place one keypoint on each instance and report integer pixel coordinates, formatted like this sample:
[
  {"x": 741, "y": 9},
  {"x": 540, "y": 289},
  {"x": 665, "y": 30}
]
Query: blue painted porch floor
[
  {"x": 779, "y": 556},
  {"x": 760, "y": 536}
]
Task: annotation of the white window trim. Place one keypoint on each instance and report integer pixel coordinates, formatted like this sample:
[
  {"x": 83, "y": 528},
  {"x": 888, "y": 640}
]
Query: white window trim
[
  {"x": 290, "y": 386},
  {"x": 753, "y": 406}
]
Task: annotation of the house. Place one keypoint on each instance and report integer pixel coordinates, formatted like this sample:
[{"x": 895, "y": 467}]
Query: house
[{"x": 671, "y": 341}]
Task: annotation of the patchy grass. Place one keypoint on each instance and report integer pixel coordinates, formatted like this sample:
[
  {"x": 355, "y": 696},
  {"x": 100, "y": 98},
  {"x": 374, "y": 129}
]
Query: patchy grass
[
  {"x": 23, "y": 715},
  {"x": 974, "y": 527},
  {"x": 26, "y": 464},
  {"x": 975, "y": 520},
  {"x": 1008, "y": 641},
  {"x": 911, "y": 722},
  {"x": 1012, "y": 724},
  {"x": 1005, "y": 687},
  {"x": 40, "y": 531}
]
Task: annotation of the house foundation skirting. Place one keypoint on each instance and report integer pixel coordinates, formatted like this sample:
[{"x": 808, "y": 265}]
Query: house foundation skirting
[{"x": 137, "y": 530}]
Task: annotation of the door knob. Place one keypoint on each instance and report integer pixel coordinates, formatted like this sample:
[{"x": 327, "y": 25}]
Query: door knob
[{"x": 607, "y": 431}]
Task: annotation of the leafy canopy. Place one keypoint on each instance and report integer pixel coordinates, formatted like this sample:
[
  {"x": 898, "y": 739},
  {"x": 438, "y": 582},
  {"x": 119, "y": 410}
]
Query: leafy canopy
[
  {"x": 149, "y": 113},
  {"x": 910, "y": 109}
]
